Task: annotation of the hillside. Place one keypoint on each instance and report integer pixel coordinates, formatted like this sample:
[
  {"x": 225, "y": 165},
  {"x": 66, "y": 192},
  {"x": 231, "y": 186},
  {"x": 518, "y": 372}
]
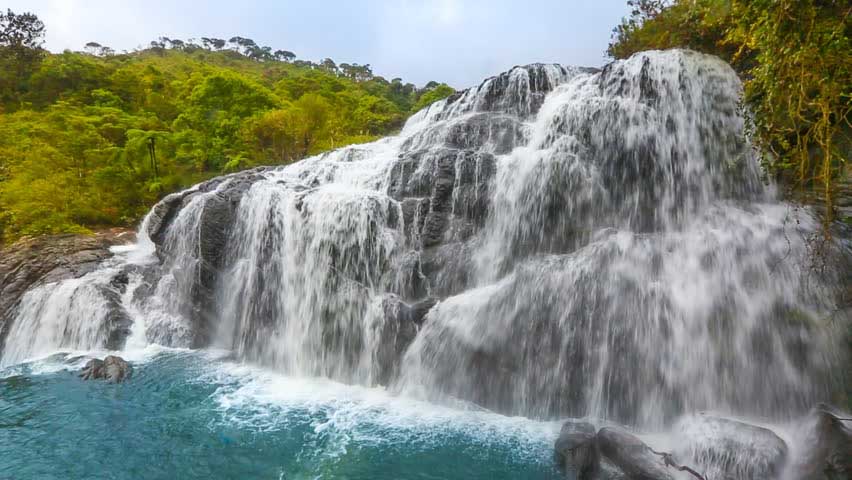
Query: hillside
[{"x": 93, "y": 139}]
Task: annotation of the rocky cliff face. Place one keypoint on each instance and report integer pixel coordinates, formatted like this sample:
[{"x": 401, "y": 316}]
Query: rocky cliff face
[{"x": 34, "y": 262}]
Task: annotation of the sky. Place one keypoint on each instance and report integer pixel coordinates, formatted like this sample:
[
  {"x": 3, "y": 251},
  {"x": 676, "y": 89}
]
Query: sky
[{"x": 459, "y": 42}]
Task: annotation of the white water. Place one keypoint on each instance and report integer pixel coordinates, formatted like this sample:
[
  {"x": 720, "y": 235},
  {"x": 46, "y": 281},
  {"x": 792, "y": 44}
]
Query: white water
[{"x": 601, "y": 244}]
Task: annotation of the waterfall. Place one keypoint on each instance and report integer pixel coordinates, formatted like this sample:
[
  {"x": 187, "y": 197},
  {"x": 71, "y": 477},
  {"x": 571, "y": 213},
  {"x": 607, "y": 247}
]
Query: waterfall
[
  {"x": 74, "y": 314},
  {"x": 633, "y": 266},
  {"x": 556, "y": 241}
]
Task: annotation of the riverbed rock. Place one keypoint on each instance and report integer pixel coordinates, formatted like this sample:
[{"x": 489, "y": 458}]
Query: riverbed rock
[
  {"x": 827, "y": 446},
  {"x": 93, "y": 369},
  {"x": 723, "y": 448},
  {"x": 31, "y": 262},
  {"x": 113, "y": 369},
  {"x": 576, "y": 450},
  {"x": 631, "y": 455}
]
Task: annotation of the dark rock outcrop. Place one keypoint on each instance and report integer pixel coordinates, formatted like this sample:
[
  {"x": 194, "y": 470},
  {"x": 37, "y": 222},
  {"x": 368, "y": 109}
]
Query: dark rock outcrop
[
  {"x": 31, "y": 262},
  {"x": 576, "y": 450},
  {"x": 113, "y": 369},
  {"x": 398, "y": 330},
  {"x": 827, "y": 442},
  {"x": 631, "y": 455},
  {"x": 166, "y": 210},
  {"x": 220, "y": 197}
]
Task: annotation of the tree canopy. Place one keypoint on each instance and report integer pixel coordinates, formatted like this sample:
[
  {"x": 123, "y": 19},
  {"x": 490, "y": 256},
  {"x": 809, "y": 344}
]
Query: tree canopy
[{"x": 93, "y": 139}]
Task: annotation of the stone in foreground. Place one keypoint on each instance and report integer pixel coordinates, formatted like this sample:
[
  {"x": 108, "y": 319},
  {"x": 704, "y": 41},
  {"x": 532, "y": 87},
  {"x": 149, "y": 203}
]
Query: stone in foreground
[
  {"x": 113, "y": 369},
  {"x": 576, "y": 450},
  {"x": 631, "y": 455}
]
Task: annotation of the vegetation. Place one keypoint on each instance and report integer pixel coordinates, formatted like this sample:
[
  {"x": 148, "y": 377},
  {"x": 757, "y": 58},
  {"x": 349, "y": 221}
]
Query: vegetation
[
  {"x": 92, "y": 139},
  {"x": 795, "y": 58}
]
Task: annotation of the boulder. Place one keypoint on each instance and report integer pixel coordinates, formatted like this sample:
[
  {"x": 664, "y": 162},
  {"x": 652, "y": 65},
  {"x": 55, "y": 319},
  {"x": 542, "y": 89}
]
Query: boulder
[
  {"x": 576, "y": 450},
  {"x": 116, "y": 369},
  {"x": 113, "y": 369},
  {"x": 826, "y": 445},
  {"x": 725, "y": 448},
  {"x": 631, "y": 455},
  {"x": 93, "y": 369}
]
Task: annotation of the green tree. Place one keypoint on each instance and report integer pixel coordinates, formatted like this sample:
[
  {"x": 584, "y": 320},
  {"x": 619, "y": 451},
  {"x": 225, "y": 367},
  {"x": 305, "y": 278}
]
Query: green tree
[
  {"x": 21, "y": 37},
  {"x": 76, "y": 133},
  {"x": 432, "y": 95}
]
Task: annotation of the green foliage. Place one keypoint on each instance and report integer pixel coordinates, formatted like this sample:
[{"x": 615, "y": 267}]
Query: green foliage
[
  {"x": 20, "y": 51},
  {"x": 439, "y": 92},
  {"x": 94, "y": 139},
  {"x": 795, "y": 58}
]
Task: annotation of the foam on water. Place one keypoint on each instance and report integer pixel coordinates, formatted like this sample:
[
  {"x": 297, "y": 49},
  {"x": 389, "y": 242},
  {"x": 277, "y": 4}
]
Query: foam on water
[
  {"x": 204, "y": 416},
  {"x": 261, "y": 398}
]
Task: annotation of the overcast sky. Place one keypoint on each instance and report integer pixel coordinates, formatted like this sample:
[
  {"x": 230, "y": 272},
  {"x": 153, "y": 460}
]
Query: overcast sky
[{"x": 456, "y": 41}]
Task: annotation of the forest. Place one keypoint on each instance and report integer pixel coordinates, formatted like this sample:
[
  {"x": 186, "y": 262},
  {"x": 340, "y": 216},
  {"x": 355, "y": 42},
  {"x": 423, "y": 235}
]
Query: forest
[{"x": 91, "y": 139}]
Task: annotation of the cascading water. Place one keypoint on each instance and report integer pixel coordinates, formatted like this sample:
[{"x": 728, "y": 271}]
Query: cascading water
[
  {"x": 640, "y": 269},
  {"x": 73, "y": 314},
  {"x": 555, "y": 242}
]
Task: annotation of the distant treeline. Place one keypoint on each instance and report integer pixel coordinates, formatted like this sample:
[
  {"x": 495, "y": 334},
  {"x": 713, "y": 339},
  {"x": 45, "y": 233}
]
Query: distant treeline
[{"x": 92, "y": 139}]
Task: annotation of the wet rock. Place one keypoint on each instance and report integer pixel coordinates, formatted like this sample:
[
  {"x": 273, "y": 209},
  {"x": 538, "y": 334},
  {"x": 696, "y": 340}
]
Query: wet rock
[
  {"x": 502, "y": 92},
  {"x": 418, "y": 310},
  {"x": 166, "y": 210},
  {"x": 631, "y": 455},
  {"x": 94, "y": 369},
  {"x": 443, "y": 193},
  {"x": 827, "y": 445},
  {"x": 31, "y": 262},
  {"x": 398, "y": 329},
  {"x": 410, "y": 280},
  {"x": 448, "y": 267},
  {"x": 113, "y": 369},
  {"x": 163, "y": 213},
  {"x": 501, "y": 132},
  {"x": 576, "y": 450},
  {"x": 725, "y": 448},
  {"x": 217, "y": 217},
  {"x": 116, "y": 322},
  {"x": 116, "y": 369}
]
